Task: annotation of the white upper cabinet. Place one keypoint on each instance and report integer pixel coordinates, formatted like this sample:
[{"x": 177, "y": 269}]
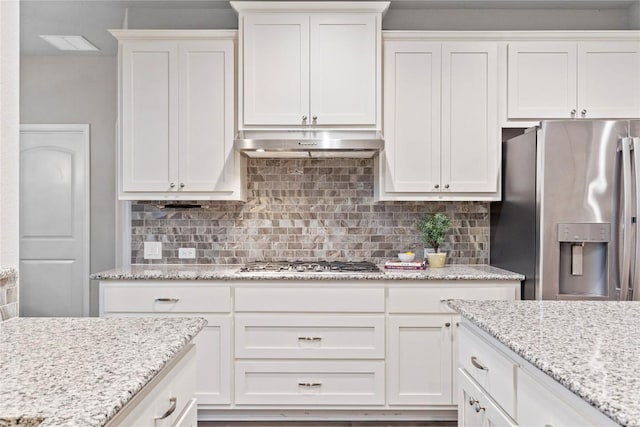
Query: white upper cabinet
[
  {"x": 276, "y": 69},
  {"x": 573, "y": 79},
  {"x": 307, "y": 65},
  {"x": 176, "y": 116},
  {"x": 440, "y": 121}
]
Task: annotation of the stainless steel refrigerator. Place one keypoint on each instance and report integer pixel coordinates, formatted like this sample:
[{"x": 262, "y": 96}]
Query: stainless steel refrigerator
[{"x": 568, "y": 219}]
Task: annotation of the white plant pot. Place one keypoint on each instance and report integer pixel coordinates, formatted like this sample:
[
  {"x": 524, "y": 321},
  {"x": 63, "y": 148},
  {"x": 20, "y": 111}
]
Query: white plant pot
[{"x": 437, "y": 260}]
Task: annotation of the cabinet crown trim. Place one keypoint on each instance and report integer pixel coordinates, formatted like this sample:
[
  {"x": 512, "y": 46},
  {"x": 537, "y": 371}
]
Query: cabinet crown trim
[
  {"x": 310, "y": 6},
  {"x": 507, "y": 36}
]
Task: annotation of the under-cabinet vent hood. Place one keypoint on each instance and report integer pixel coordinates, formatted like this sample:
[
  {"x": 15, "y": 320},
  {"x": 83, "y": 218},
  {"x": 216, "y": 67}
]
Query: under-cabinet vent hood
[{"x": 309, "y": 143}]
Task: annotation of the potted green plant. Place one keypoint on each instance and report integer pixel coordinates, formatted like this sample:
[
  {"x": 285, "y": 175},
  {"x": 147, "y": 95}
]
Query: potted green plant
[{"x": 434, "y": 228}]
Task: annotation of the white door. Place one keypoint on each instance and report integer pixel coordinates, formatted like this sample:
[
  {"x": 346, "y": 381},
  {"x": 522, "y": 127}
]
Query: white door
[
  {"x": 470, "y": 135},
  {"x": 276, "y": 69},
  {"x": 54, "y": 220},
  {"x": 149, "y": 115},
  {"x": 411, "y": 116},
  {"x": 609, "y": 80},
  {"x": 206, "y": 115},
  {"x": 343, "y": 69},
  {"x": 541, "y": 80},
  {"x": 419, "y": 360}
]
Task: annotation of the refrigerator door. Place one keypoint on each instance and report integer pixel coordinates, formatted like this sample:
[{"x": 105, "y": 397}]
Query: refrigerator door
[
  {"x": 634, "y": 134},
  {"x": 578, "y": 205}
]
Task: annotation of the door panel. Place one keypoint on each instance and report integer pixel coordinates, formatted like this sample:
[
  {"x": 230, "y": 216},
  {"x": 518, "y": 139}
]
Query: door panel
[
  {"x": 541, "y": 80},
  {"x": 206, "y": 127},
  {"x": 54, "y": 220},
  {"x": 412, "y": 116},
  {"x": 609, "y": 79},
  {"x": 149, "y": 115},
  {"x": 343, "y": 69},
  {"x": 276, "y": 69},
  {"x": 470, "y": 137}
]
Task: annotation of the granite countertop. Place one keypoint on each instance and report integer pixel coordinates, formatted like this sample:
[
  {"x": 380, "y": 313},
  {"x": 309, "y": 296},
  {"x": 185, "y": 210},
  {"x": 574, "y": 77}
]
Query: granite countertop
[
  {"x": 590, "y": 347},
  {"x": 232, "y": 272},
  {"x": 82, "y": 371},
  {"x": 7, "y": 272}
]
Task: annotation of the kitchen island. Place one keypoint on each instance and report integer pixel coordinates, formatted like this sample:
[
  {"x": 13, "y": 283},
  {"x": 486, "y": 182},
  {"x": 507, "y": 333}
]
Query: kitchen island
[
  {"x": 582, "y": 353},
  {"x": 84, "y": 371}
]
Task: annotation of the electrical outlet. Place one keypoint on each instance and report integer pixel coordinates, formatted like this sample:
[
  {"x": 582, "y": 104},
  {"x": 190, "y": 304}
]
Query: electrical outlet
[
  {"x": 152, "y": 250},
  {"x": 186, "y": 253}
]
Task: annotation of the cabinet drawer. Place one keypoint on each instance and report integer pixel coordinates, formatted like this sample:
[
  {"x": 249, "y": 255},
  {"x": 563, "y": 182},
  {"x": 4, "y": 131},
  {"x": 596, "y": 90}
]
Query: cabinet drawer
[
  {"x": 164, "y": 298},
  {"x": 478, "y": 409},
  {"x": 310, "y": 383},
  {"x": 427, "y": 300},
  {"x": 492, "y": 370},
  {"x": 172, "y": 387},
  {"x": 335, "y": 337},
  {"x": 310, "y": 300}
]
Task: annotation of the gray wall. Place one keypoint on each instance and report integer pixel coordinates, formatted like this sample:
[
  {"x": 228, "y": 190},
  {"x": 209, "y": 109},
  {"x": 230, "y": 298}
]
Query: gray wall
[
  {"x": 506, "y": 19},
  {"x": 634, "y": 16},
  {"x": 74, "y": 89}
]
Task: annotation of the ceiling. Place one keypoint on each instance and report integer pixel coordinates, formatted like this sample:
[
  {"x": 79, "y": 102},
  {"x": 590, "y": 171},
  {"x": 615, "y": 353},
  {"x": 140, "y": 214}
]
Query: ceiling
[{"x": 92, "y": 18}]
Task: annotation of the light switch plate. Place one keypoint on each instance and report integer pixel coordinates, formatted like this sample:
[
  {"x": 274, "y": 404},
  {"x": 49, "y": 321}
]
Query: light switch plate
[
  {"x": 184, "y": 253},
  {"x": 152, "y": 250}
]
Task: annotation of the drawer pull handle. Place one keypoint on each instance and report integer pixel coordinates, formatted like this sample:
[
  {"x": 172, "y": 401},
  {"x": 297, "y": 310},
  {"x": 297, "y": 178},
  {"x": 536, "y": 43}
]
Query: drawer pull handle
[
  {"x": 314, "y": 339},
  {"x": 474, "y": 362},
  {"x": 167, "y": 299},
  {"x": 478, "y": 408},
  {"x": 170, "y": 411},
  {"x": 310, "y": 385}
]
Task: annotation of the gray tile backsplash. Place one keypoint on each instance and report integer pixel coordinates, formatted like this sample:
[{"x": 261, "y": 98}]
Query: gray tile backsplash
[{"x": 307, "y": 209}]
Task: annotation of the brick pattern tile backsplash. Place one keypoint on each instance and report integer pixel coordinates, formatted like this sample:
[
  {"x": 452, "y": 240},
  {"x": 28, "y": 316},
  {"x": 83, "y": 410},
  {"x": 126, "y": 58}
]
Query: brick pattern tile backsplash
[{"x": 307, "y": 209}]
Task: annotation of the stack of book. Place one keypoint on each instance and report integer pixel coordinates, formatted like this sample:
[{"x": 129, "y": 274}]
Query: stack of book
[{"x": 401, "y": 265}]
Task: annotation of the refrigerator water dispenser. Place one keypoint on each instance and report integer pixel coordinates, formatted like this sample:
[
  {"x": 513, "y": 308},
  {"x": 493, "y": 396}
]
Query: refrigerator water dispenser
[{"x": 583, "y": 268}]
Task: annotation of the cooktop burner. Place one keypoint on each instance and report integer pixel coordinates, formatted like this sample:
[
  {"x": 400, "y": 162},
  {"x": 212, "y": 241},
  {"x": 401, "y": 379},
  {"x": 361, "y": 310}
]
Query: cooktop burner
[{"x": 311, "y": 267}]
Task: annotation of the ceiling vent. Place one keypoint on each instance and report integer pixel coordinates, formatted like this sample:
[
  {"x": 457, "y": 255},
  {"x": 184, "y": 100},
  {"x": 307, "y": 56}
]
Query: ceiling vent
[{"x": 70, "y": 43}]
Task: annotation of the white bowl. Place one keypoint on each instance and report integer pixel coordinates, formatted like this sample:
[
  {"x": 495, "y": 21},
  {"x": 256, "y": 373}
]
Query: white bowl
[{"x": 404, "y": 257}]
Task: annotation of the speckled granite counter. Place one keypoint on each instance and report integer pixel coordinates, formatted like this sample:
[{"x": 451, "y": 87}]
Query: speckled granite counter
[
  {"x": 592, "y": 348},
  {"x": 82, "y": 371},
  {"x": 232, "y": 272}
]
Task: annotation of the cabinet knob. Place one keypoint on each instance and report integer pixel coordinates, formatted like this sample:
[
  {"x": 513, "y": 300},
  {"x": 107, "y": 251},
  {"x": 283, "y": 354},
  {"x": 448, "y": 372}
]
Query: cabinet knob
[
  {"x": 182, "y": 185},
  {"x": 478, "y": 408},
  {"x": 447, "y": 324},
  {"x": 304, "y": 118},
  {"x": 457, "y": 323},
  {"x": 446, "y": 186},
  {"x": 436, "y": 186},
  {"x": 573, "y": 113},
  {"x": 314, "y": 118},
  {"x": 472, "y": 401},
  {"x": 583, "y": 113},
  {"x": 172, "y": 185}
]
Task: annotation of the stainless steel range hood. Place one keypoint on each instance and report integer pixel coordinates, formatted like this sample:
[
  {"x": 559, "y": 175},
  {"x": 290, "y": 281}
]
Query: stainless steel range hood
[{"x": 309, "y": 143}]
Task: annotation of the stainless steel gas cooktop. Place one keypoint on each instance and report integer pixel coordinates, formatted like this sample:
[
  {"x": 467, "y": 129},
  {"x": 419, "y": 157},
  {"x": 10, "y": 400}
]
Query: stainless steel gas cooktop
[{"x": 310, "y": 267}]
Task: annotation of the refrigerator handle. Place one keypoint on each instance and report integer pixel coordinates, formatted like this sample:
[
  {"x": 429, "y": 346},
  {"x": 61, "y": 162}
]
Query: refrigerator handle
[
  {"x": 626, "y": 218},
  {"x": 635, "y": 283}
]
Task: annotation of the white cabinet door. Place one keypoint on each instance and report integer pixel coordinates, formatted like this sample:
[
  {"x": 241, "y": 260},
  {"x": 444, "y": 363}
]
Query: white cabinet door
[
  {"x": 213, "y": 384},
  {"x": 470, "y": 136},
  {"x": 206, "y": 115},
  {"x": 477, "y": 409},
  {"x": 541, "y": 80},
  {"x": 609, "y": 80},
  {"x": 343, "y": 69},
  {"x": 411, "y": 116},
  {"x": 149, "y": 150},
  {"x": 276, "y": 69},
  {"x": 419, "y": 360}
]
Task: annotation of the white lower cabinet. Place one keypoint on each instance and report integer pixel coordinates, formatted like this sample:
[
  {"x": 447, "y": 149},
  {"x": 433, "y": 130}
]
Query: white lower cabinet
[
  {"x": 183, "y": 299},
  {"x": 477, "y": 409},
  {"x": 367, "y": 348},
  {"x": 419, "y": 360}
]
